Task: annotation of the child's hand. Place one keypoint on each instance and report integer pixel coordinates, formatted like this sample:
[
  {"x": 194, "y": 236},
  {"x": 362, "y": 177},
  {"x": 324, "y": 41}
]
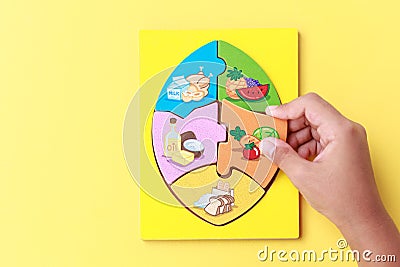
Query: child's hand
[{"x": 339, "y": 181}]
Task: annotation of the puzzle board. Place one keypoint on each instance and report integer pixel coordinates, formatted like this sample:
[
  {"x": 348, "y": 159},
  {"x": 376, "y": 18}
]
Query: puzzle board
[{"x": 201, "y": 133}]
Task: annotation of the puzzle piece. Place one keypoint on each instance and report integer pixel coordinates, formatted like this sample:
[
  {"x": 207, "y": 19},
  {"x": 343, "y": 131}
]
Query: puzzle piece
[
  {"x": 243, "y": 71},
  {"x": 201, "y": 124},
  {"x": 193, "y": 83},
  {"x": 230, "y": 154}
]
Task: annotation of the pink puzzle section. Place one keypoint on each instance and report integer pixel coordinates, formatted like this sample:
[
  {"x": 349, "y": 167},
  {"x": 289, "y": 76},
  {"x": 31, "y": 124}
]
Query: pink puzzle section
[{"x": 182, "y": 145}]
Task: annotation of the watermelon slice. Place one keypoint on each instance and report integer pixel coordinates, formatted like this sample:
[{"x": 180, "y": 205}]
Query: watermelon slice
[{"x": 253, "y": 93}]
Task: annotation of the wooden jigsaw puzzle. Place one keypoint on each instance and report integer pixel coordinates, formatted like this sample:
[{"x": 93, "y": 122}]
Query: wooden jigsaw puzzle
[
  {"x": 203, "y": 131},
  {"x": 211, "y": 112}
]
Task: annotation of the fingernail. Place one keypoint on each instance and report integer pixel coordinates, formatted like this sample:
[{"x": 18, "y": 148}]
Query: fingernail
[
  {"x": 267, "y": 148},
  {"x": 269, "y": 110}
]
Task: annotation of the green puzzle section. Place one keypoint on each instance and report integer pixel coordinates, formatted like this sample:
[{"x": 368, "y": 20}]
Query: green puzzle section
[{"x": 234, "y": 57}]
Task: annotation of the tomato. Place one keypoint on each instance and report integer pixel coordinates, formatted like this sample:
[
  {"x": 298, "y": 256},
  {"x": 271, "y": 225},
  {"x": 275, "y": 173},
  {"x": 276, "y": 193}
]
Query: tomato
[{"x": 251, "y": 151}]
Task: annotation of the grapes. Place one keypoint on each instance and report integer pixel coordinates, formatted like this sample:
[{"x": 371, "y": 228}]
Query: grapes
[{"x": 252, "y": 82}]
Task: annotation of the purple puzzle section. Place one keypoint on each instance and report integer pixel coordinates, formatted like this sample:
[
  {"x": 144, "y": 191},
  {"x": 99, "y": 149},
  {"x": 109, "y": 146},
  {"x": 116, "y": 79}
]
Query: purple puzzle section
[{"x": 203, "y": 122}]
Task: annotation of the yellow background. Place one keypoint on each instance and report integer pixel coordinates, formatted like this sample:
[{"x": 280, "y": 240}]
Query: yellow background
[{"x": 68, "y": 70}]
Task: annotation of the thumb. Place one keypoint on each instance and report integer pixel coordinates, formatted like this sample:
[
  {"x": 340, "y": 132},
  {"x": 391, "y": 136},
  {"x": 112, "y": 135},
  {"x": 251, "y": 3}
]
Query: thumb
[{"x": 283, "y": 155}]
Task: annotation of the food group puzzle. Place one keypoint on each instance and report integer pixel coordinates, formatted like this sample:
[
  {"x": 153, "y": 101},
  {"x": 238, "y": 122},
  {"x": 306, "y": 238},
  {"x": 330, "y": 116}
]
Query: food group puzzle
[
  {"x": 211, "y": 112},
  {"x": 204, "y": 132}
]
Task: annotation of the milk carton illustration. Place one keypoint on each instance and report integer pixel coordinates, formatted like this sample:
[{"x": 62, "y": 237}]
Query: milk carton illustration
[{"x": 174, "y": 90}]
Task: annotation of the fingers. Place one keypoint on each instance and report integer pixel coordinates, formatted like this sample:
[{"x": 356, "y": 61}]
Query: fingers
[
  {"x": 309, "y": 149},
  {"x": 311, "y": 106},
  {"x": 297, "y": 124},
  {"x": 283, "y": 155},
  {"x": 300, "y": 137},
  {"x": 315, "y": 134}
]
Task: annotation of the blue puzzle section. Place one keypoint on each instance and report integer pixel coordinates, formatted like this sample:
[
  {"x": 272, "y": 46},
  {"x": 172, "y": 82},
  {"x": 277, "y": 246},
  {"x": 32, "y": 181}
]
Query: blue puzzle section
[{"x": 193, "y": 83}]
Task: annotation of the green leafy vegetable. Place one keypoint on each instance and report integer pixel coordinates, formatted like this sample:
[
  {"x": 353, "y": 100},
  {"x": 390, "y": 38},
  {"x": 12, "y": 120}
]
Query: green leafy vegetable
[
  {"x": 264, "y": 132},
  {"x": 237, "y": 133}
]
